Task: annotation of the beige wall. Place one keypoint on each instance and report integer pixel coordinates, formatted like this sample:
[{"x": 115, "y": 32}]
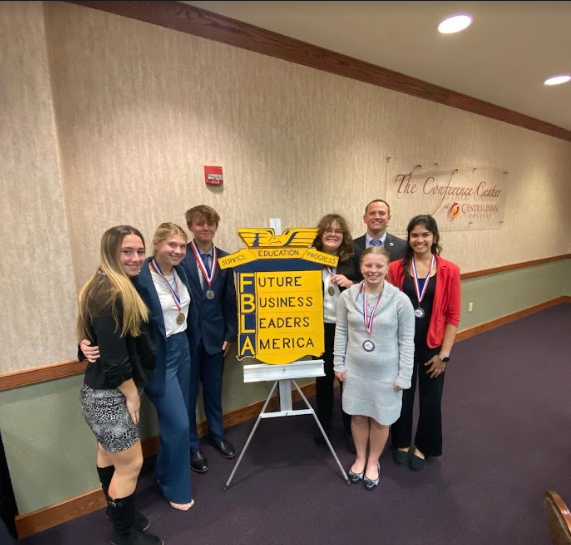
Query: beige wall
[
  {"x": 140, "y": 109},
  {"x": 37, "y": 291}
]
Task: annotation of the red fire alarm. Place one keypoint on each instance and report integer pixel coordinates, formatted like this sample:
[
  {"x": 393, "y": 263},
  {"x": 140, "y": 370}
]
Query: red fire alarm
[{"x": 213, "y": 175}]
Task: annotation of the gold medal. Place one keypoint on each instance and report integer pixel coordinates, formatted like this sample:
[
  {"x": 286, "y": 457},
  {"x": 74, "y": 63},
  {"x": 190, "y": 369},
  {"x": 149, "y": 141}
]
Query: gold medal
[
  {"x": 180, "y": 318},
  {"x": 331, "y": 291}
]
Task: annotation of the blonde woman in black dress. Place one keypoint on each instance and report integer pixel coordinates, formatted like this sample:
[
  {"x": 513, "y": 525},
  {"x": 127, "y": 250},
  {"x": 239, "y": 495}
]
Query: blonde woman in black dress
[{"x": 113, "y": 316}]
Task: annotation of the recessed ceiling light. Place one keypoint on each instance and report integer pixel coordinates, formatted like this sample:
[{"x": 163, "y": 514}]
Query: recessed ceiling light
[
  {"x": 558, "y": 80},
  {"x": 455, "y": 23}
]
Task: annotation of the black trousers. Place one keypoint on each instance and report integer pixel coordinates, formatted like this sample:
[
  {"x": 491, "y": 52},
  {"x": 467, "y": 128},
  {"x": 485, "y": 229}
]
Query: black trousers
[
  {"x": 429, "y": 430},
  {"x": 324, "y": 392}
]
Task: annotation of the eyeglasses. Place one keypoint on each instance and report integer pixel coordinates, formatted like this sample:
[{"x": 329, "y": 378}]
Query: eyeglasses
[{"x": 334, "y": 231}]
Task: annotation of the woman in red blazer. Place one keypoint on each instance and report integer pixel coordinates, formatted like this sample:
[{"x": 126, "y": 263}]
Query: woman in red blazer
[{"x": 433, "y": 286}]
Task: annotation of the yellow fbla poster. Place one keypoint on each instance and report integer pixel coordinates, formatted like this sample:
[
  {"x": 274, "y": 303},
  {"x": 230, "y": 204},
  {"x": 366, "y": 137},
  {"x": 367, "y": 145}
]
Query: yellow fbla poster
[{"x": 280, "y": 296}]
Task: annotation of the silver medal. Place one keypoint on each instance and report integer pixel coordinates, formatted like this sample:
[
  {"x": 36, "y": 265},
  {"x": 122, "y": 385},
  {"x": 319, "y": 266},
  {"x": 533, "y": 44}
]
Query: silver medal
[
  {"x": 368, "y": 346},
  {"x": 331, "y": 291},
  {"x": 419, "y": 313},
  {"x": 210, "y": 294}
]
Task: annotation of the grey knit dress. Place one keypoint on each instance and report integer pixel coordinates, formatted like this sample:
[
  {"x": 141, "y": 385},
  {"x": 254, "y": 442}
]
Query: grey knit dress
[{"x": 370, "y": 376}]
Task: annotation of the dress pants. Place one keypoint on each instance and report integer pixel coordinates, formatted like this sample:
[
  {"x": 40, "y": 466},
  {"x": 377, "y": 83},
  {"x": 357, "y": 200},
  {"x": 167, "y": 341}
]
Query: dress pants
[
  {"x": 173, "y": 461},
  {"x": 206, "y": 369},
  {"x": 429, "y": 430},
  {"x": 324, "y": 392}
]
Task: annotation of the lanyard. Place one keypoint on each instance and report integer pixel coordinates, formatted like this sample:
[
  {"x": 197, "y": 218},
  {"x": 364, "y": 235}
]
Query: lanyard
[
  {"x": 207, "y": 278},
  {"x": 174, "y": 292},
  {"x": 369, "y": 319},
  {"x": 420, "y": 295}
]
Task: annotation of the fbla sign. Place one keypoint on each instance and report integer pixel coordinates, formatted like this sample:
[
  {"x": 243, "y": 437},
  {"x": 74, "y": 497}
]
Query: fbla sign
[{"x": 280, "y": 297}]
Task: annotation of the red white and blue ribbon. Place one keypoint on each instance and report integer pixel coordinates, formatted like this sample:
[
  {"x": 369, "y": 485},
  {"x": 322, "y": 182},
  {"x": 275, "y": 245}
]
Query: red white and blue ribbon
[
  {"x": 174, "y": 292},
  {"x": 369, "y": 319},
  {"x": 198, "y": 256},
  {"x": 420, "y": 295}
]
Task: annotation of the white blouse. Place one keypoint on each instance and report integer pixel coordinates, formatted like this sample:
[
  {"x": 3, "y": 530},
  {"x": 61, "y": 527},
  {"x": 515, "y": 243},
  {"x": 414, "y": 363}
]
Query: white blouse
[
  {"x": 329, "y": 301},
  {"x": 170, "y": 310}
]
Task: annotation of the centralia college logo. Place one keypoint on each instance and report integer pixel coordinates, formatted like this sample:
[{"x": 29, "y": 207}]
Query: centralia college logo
[{"x": 454, "y": 210}]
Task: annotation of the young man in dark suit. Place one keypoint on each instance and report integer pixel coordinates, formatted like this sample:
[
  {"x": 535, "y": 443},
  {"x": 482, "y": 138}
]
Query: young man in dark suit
[
  {"x": 214, "y": 296},
  {"x": 377, "y": 217}
]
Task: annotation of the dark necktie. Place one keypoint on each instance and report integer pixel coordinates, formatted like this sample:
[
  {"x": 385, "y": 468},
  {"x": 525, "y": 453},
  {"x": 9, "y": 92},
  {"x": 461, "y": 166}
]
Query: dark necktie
[{"x": 206, "y": 261}]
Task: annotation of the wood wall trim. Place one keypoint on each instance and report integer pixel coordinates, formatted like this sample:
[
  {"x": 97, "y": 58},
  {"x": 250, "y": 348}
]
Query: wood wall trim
[
  {"x": 68, "y": 368},
  {"x": 53, "y": 515},
  {"x": 47, "y": 517},
  {"x": 514, "y": 266},
  {"x": 492, "y": 324},
  {"x": 26, "y": 377},
  {"x": 212, "y": 26}
]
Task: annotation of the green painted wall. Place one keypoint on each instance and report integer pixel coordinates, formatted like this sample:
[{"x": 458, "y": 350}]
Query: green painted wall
[
  {"x": 505, "y": 293},
  {"x": 51, "y": 452}
]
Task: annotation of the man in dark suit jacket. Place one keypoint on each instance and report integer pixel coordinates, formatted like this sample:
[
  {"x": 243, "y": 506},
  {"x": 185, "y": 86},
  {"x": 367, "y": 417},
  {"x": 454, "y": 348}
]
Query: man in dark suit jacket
[
  {"x": 377, "y": 217},
  {"x": 214, "y": 296}
]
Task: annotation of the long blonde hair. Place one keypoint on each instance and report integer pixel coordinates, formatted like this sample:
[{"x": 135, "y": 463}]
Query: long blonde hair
[{"x": 109, "y": 286}]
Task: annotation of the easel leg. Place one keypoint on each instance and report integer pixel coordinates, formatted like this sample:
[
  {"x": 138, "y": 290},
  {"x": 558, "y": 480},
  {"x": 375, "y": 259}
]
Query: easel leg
[
  {"x": 323, "y": 433},
  {"x": 251, "y": 435}
]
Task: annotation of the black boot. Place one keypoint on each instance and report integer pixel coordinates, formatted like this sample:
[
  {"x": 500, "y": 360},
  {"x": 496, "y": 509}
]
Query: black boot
[
  {"x": 122, "y": 511},
  {"x": 105, "y": 476}
]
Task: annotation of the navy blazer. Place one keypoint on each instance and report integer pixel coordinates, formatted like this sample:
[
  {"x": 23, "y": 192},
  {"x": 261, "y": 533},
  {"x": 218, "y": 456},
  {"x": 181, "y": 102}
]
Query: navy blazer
[
  {"x": 146, "y": 288},
  {"x": 218, "y": 317},
  {"x": 394, "y": 245}
]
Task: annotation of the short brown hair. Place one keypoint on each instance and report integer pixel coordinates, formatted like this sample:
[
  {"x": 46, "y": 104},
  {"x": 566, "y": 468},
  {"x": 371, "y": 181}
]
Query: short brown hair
[
  {"x": 202, "y": 211},
  {"x": 378, "y": 200}
]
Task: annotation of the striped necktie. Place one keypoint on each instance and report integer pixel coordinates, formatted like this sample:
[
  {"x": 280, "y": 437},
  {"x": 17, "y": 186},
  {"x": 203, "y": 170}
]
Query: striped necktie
[{"x": 376, "y": 242}]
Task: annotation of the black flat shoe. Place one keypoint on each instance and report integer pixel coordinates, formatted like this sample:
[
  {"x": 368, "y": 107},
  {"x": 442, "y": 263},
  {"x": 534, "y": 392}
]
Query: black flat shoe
[
  {"x": 223, "y": 447},
  {"x": 356, "y": 477},
  {"x": 198, "y": 462},
  {"x": 400, "y": 457},
  {"x": 370, "y": 484},
  {"x": 417, "y": 463}
]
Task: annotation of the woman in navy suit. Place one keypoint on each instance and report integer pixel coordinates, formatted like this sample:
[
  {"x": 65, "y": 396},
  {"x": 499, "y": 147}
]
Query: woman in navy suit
[{"x": 163, "y": 286}]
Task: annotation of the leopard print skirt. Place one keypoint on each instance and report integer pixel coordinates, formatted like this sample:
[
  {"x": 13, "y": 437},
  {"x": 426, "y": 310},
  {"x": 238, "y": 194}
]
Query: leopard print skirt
[{"x": 105, "y": 412}]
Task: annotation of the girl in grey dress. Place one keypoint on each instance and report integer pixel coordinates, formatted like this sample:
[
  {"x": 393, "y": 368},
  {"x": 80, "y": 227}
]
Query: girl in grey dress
[{"x": 373, "y": 356}]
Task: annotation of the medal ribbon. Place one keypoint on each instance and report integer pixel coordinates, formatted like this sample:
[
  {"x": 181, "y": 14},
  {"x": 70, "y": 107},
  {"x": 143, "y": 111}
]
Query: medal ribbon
[
  {"x": 174, "y": 292},
  {"x": 369, "y": 319},
  {"x": 198, "y": 257},
  {"x": 419, "y": 295},
  {"x": 331, "y": 271}
]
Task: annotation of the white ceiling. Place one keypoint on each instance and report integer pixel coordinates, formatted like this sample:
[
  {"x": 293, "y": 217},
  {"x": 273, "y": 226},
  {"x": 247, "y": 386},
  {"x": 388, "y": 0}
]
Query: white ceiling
[{"x": 503, "y": 58}]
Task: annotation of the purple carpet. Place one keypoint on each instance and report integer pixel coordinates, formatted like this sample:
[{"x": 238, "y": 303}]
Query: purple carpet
[{"x": 507, "y": 424}]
